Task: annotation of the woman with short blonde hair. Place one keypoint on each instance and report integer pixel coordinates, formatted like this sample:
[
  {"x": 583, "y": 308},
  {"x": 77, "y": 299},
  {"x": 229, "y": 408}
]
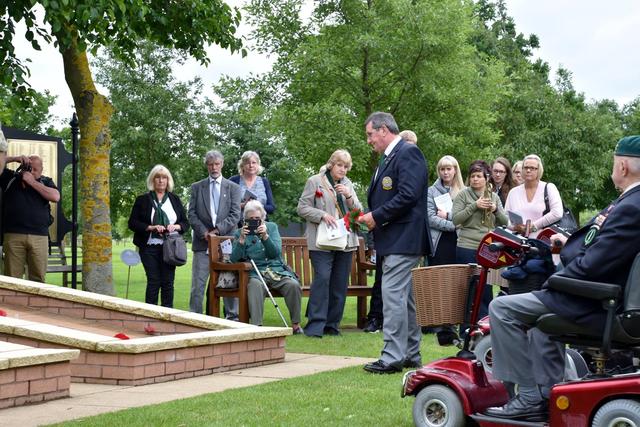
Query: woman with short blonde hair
[
  {"x": 159, "y": 170},
  {"x": 338, "y": 156},
  {"x": 253, "y": 186},
  {"x": 155, "y": 215},
  {"x": 327, "y": 197},
  {"x": 528, "y": 200}
]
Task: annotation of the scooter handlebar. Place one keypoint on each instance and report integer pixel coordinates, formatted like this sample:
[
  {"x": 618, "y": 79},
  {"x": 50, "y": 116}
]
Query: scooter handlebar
[{"x": 496, "y": 247}]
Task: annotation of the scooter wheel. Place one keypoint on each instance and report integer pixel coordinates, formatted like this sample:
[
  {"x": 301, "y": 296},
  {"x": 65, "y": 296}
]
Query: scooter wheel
[
  {"x": 482, "y": 350},
  {"x": 618, "y": 413},
  {"x": 438, "y": 406}
]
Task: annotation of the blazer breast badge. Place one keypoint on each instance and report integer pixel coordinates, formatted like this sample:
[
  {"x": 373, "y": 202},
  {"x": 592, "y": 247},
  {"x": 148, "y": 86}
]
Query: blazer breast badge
[{"x": 387, "y": 183}]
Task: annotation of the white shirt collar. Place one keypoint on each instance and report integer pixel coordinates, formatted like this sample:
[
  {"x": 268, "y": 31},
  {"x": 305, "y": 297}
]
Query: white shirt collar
[
  {"x": 635, "y": 184},
  {"x": 391, "y": 146},
  {"x": 218, "y": 179}
]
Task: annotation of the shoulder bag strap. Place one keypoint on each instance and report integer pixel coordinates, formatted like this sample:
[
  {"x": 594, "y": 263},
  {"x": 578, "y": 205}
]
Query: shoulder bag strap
[
  {"x": 333, "y": 196},
  {"x": 546, "y": 201}
]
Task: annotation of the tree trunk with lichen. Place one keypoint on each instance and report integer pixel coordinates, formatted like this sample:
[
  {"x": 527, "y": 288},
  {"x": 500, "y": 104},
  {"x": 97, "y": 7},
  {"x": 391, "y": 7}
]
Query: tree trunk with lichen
[{"x": 94, "y": 112}]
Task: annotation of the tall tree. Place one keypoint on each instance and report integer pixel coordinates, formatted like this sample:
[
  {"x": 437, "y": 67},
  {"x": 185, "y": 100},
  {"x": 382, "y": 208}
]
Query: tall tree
[
  {"x": 157, "y": 120},
  {"x": 29, "y": 113},
  {"x": 240, "y": 122},
  {"x": 552, "y": 120},
  {"x": 77, "y": 25},
  {"x": 411, "y": 58},
  {"x": 631, "y": 117}
]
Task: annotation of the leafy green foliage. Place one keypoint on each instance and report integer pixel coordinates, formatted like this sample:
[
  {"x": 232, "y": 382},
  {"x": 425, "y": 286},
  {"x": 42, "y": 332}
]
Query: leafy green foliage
[
  {"x": 30, "y": 113},
  {"x": 240, "y": 124},
  {"x": 189, "y": 26},
  {"x": 551, "y": 120},
  {"x": 345, "y": 62},
  {"x": 157, "y": 120}
]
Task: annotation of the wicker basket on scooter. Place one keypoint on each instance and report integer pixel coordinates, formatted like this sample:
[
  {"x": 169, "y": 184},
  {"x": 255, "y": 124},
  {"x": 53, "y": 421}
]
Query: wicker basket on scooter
[{"x": 441, "y": 293}]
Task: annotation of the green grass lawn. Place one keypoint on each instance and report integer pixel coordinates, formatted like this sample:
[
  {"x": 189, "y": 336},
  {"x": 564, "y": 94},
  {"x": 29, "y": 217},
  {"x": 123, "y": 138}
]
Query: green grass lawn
[{"x": 348, "y": 396}]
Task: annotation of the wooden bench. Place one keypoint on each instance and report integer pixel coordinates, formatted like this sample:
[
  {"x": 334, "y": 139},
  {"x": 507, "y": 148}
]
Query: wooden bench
[
  {"x": 58, "y": 262},
  {"x": 296, "y": 255}
]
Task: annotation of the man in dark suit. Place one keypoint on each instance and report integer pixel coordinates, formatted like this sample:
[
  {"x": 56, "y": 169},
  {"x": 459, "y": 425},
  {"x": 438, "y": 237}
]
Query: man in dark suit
[
  {"x": 601, "y": 251},
  {"x": 214, "y": 207},
  {"x": 397, "y": 206}
]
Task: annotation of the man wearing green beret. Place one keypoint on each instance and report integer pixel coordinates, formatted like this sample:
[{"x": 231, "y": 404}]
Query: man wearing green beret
[{"x": 601, "y": 251}]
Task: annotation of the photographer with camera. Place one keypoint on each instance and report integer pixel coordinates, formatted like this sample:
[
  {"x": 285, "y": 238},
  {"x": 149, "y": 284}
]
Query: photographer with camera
[
  {"x": 27, "y": 217},
  {"x": 4, "y": 146},
  {"x": 260, "y": 241}
]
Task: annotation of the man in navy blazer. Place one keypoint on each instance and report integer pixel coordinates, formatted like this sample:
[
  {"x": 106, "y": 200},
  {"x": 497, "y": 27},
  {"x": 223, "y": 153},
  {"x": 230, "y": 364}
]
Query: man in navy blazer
[
  {"x": 397, "y": 218},
  {"x": 601, "y": 251},
  {"x": 209, "y": 214}
]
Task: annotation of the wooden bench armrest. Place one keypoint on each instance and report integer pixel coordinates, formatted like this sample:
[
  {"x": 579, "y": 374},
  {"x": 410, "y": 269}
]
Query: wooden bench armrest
[
  {"x": 231, "y": 266},
  {"x": 366, "y": 265}
]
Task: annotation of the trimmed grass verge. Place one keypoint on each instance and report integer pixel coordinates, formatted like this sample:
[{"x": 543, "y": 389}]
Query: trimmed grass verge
[{"x": 348, "y": 396}]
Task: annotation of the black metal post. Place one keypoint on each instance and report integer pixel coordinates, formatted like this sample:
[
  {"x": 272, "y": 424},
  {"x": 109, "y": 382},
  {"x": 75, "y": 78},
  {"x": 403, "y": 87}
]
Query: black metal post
[{"x": 75, "y": 131}]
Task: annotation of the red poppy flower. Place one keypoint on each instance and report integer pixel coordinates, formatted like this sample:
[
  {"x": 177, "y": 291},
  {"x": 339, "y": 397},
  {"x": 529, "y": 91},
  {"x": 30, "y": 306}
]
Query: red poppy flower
[
  {"x": 149, "y": 330},
  {"x": 318, "y": 192},
  {"x": 3, "y": 313},
  {"x": 351, "y": 221},
  {"x": 121, "y": 336}
]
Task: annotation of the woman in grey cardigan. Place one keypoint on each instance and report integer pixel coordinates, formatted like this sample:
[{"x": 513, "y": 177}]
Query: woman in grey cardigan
[
  {"x": 328, "y": 196},
  {"x": 443, "y": 231}
]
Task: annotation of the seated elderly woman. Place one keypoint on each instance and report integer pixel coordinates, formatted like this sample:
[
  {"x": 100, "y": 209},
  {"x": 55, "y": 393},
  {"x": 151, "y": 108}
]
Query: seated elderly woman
[{"x": 263, "y": 245}]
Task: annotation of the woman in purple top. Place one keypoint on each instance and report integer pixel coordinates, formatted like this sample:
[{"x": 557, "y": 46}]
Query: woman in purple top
[{"x": 252, "y": 184}]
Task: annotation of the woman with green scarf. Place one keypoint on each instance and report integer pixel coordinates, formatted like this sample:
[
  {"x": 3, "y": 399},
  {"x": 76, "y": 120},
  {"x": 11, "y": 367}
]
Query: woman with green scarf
[
  {"x": 154, "y": 215},
  {"x": 328, "y": 197}
]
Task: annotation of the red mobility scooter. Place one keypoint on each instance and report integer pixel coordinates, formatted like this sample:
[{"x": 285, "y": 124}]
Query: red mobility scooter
[
  {"x": 455, "y": 391},
  {"x": 519, "y": 252}
]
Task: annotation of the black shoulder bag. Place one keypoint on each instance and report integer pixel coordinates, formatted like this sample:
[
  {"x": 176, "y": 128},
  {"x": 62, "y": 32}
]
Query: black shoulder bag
[{"x": 567, "y": 222}]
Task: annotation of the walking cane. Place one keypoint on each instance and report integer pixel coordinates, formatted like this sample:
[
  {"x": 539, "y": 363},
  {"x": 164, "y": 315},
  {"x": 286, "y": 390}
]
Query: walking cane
[{"x": 275, "y": 304}]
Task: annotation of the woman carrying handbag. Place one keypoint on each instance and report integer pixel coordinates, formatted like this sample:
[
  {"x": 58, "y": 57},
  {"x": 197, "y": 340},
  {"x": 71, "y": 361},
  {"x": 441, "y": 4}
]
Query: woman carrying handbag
[
  {"x": 326, "y": 199},
  {"x": 154, "y": 215}
]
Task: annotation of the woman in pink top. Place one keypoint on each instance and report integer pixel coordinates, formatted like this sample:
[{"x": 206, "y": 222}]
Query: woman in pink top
[{"x": 527, "y": 199}]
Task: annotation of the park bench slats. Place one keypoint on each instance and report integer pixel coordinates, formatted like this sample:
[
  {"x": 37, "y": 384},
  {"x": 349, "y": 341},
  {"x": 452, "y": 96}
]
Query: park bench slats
[{"x": 296, "y": 254}]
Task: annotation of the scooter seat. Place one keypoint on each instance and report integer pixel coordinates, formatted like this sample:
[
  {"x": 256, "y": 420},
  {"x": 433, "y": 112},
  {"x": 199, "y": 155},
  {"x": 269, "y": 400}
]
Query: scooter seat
[{"x": 569, "y": 332}]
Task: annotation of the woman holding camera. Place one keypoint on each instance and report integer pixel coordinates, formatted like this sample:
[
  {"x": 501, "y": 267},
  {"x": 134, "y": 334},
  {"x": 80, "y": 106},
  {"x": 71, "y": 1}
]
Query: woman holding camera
[
  {"x": 260, "y": 241},
  {"x": 476, "y": 211},
  {"x": 328, "y": 197},
  {"x": 154, "y": 215}
]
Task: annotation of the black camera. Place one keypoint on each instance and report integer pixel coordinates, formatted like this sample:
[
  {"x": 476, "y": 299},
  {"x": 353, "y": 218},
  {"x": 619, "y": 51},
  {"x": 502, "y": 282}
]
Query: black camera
[
  {"x": 253, "y": 225},
  {"x": 23, "y": 168}
]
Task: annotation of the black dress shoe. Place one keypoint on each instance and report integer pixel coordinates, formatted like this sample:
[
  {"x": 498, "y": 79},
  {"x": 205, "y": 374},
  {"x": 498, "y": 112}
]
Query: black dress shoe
[
  {"x": 517, "y": 409},
  {"x": 373, "y": 326},
  {"x": 331, "y": 331},
  {"x": 379, "y": 367},
  {"x": 411, "y": 364}
]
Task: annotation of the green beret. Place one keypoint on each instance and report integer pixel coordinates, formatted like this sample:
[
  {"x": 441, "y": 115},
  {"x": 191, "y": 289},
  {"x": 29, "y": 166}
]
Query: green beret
[{"x": 628, "y": 146}]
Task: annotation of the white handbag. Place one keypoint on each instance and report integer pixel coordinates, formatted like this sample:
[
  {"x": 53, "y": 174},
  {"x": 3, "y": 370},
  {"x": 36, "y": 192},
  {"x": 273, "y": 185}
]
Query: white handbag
[{"x": 326, "y": 239}]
